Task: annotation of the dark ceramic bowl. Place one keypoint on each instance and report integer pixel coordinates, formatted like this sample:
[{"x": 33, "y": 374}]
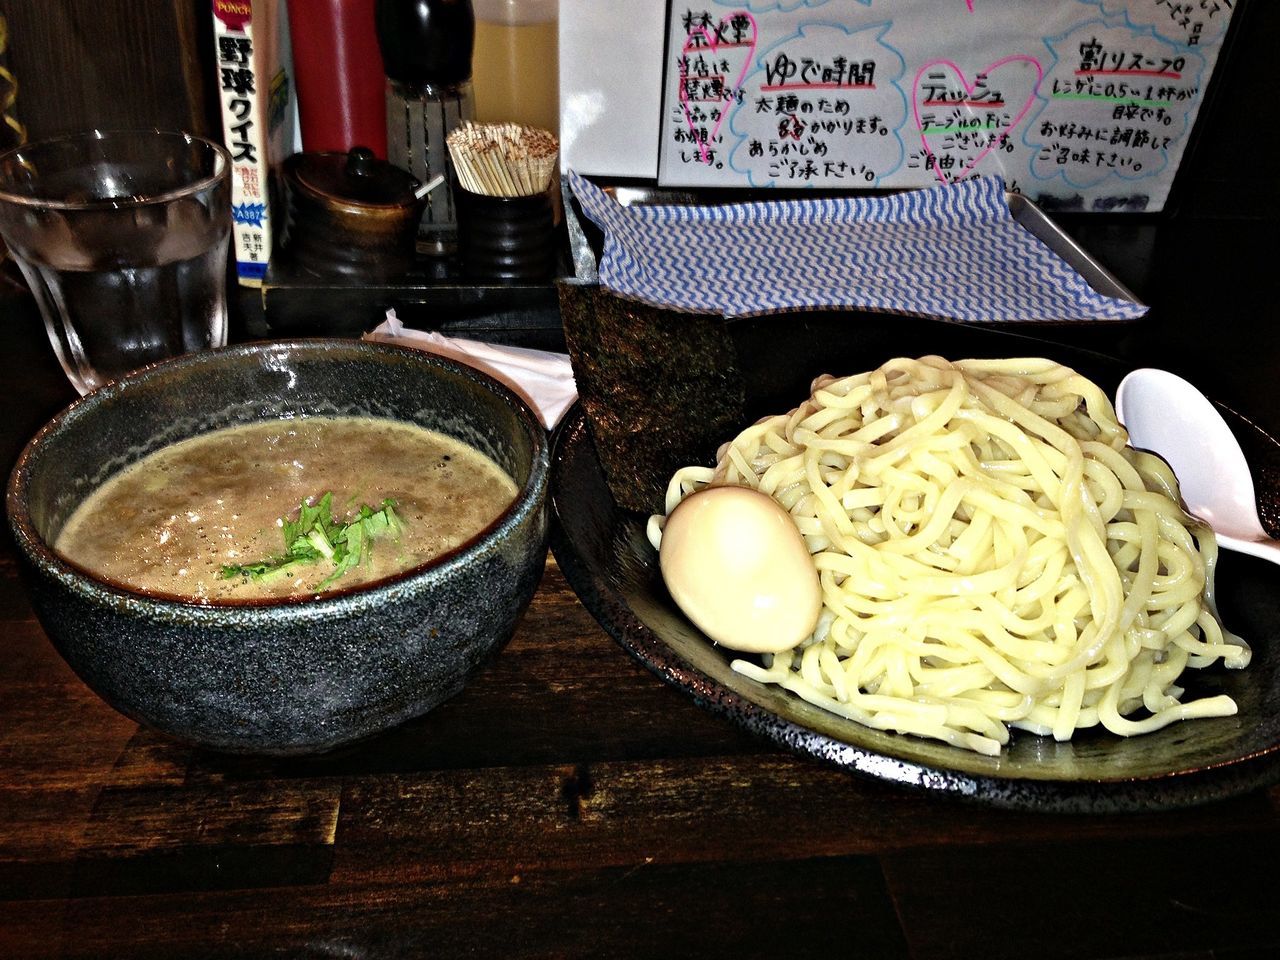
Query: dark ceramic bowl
[{"x": 296, "y": 676}]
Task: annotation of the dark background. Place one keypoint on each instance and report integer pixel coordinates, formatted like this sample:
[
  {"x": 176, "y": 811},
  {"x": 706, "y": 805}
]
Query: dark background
[{"x": 112, "y": 63}]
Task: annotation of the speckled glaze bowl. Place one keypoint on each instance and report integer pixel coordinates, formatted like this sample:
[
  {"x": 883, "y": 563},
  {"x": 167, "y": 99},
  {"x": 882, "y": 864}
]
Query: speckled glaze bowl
[{"x": 297, "y": 676}]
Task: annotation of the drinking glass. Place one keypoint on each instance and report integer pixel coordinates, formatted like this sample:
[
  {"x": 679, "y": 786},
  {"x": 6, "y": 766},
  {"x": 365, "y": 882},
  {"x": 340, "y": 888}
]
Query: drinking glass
[{"x": 122, "y": 237}]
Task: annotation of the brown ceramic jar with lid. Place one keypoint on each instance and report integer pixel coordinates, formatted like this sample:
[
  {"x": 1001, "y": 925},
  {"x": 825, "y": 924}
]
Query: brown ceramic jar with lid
[{"x": 350, "y": 215}]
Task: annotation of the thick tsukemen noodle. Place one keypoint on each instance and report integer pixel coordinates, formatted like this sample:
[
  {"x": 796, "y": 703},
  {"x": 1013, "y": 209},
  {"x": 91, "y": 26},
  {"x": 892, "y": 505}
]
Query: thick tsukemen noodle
[{"x": 991, "y": 554}]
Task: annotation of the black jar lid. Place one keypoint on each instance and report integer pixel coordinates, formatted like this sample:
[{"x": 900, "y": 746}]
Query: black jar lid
[
  {"x": 426, "y": 42},
  {"x": 353, "y": 177}
]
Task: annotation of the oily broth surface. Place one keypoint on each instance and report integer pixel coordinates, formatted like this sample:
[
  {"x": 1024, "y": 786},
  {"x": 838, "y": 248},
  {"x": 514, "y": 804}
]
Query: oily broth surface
[{"x": 169, "y": 522}]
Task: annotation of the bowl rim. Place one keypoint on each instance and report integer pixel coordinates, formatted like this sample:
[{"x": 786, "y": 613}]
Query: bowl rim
[{"x": 307, "y": 607}]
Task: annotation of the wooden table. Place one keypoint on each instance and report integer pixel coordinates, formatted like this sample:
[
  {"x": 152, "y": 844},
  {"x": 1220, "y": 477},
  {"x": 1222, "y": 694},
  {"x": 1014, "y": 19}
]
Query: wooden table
[{"x": 567, "y": 803}]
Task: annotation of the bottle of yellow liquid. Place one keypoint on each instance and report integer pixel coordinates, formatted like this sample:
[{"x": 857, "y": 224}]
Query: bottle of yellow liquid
[{"x": 516, "y": 65}]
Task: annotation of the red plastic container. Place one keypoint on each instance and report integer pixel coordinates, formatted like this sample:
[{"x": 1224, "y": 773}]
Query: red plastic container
[{"x": 339, "y": 75}]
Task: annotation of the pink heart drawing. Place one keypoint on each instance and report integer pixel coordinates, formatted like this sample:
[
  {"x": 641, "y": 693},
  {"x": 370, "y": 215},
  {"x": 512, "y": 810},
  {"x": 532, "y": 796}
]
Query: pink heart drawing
[
  {"x": 969, "y": 92},
  {"x": 703, "y": 40}
]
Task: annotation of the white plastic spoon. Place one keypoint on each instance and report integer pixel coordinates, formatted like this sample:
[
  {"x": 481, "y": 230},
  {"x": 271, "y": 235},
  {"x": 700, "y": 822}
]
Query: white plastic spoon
[{"x": 1168, "y": 416}]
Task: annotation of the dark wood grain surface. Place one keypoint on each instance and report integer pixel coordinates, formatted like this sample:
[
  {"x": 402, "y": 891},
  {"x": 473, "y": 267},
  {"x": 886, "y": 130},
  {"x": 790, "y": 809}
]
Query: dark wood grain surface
[
  {"x": 111, "y": 64},
  {"x": 569, "y": 804}
]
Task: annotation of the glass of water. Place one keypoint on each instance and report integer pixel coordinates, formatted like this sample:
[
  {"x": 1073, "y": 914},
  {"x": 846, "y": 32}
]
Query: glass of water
[{"x": 122, "y": 237}]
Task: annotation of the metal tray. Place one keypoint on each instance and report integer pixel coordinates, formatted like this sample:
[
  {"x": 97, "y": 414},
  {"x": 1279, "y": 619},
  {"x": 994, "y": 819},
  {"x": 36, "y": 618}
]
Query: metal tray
[
  {"x": 1038, "y": 224},
  {"x": 585, "y": 240}
]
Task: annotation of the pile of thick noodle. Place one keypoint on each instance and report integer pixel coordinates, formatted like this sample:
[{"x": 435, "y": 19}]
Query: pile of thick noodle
[{"x": 991, "y": 553}]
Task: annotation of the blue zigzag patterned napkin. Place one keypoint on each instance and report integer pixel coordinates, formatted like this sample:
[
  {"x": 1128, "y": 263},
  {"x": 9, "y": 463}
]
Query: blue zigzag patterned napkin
[{"x": 950, "y": 251}]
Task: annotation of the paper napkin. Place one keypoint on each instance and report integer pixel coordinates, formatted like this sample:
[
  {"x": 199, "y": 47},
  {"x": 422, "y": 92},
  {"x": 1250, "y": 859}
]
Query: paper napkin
[{"x": 544, "y": 379}]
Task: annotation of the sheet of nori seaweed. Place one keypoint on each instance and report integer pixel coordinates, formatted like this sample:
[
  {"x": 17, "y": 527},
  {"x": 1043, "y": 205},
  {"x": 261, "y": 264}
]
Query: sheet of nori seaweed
[{"x": 660, "y": 389}]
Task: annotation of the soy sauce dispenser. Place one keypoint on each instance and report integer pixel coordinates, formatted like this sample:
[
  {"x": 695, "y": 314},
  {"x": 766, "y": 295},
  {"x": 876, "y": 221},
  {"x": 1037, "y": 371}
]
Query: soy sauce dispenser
[{"x": 426, "y": 51}]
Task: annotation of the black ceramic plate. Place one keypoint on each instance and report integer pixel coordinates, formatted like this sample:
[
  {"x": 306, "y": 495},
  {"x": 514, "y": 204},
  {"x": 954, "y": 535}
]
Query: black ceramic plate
[{"x": 607, "y": 559}]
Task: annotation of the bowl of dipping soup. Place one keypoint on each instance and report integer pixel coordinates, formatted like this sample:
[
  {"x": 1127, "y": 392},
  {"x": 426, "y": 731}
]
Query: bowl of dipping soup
[{"x": 280, "y": 548}]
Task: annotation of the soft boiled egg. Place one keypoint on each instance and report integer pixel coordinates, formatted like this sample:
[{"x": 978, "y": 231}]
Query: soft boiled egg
[{"x": 736, "y": 564}]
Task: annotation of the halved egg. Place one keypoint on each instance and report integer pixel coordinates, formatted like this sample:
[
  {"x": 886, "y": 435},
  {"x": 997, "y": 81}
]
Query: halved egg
[{"x": 736, "y": 564}]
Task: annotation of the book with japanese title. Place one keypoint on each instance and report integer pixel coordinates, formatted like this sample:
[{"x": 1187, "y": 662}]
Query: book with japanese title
[{"x": 259, "y": 119}]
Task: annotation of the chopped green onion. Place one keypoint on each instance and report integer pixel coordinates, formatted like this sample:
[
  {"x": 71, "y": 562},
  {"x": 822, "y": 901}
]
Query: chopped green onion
[{"x": 318, "y": 536}]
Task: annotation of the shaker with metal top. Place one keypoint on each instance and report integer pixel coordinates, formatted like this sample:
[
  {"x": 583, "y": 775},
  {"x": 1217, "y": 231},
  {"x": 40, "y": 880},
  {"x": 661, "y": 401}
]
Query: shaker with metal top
[{"x": 426, "y": 51}]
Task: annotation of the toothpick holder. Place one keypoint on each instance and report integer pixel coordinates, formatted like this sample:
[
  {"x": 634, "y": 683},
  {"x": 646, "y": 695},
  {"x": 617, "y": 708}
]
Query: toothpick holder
[{"x": 509, "y": 239}]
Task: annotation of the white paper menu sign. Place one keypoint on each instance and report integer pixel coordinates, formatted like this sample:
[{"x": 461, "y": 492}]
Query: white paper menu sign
[{"x": 1083, "y": 104}]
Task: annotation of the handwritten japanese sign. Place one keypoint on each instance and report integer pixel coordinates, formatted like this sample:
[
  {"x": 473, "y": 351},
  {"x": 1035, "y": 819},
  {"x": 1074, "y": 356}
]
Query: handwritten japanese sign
[{"x": 1085, "y": 104}]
